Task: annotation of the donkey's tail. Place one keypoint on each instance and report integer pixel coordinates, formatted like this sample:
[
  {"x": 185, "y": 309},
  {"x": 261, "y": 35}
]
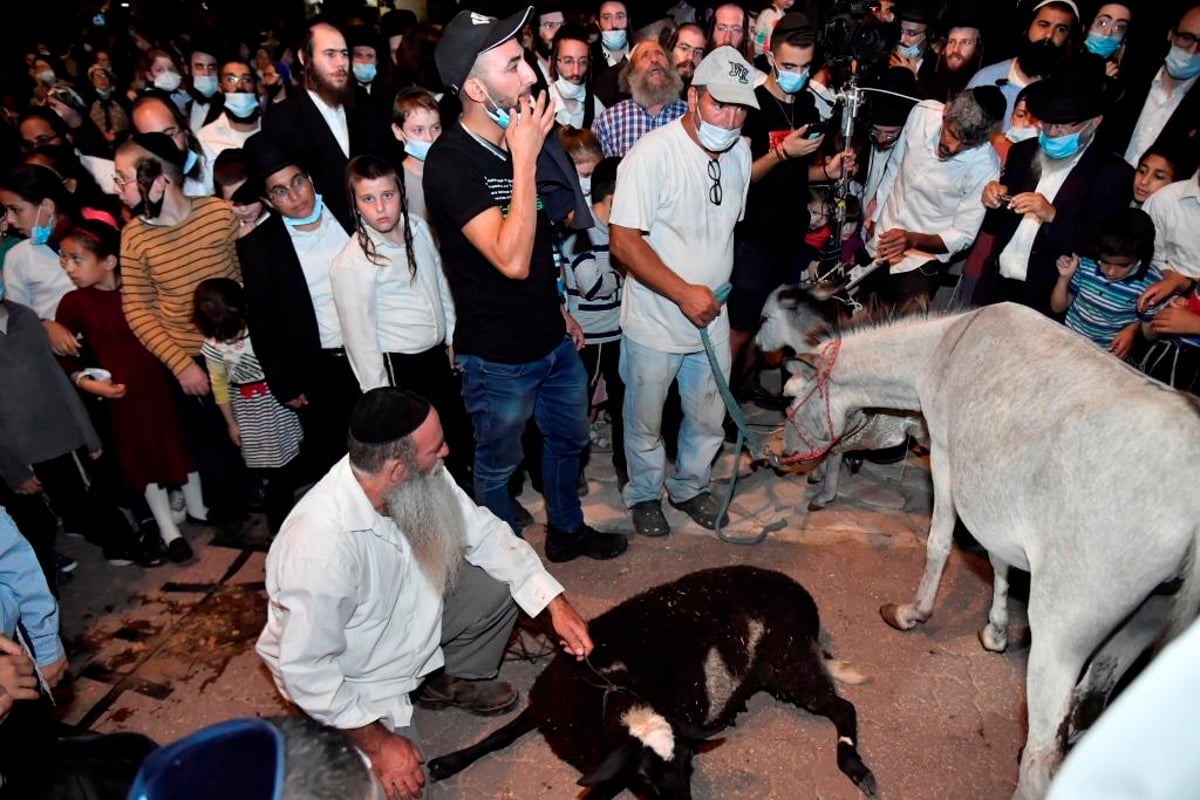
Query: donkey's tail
[
  {"x": 452, "y": 763},
  {"x": 1187, "y": 600}
]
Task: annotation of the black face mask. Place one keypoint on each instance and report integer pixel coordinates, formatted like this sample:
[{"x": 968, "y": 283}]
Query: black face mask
[{"x": 1038, "y": 59}]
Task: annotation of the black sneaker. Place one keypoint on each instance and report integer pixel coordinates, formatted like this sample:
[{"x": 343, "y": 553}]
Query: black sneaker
[
  {"x": 137, "y": 553},
  {"x": 179, "y": 551},
  {"x": 703, "y": 509},
  {"x": 64, "y": 564},
  {"x": 648, "y": 518},
  {"x": 587, "y": 541}
]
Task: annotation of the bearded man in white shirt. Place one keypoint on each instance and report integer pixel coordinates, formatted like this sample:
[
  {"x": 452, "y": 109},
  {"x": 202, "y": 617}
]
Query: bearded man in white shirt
[
  {"x": 387, "y": 573},
  {"x": 928, "y": 207}
]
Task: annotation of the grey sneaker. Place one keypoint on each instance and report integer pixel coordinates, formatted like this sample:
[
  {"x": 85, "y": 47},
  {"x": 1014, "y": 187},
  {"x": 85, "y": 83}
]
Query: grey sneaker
[
  {"x": 648, "y": 518},
  {"x": 703, "y": 509}
]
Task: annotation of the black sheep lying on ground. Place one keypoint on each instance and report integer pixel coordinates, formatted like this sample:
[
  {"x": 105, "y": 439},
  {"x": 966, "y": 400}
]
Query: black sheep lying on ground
[{"x": 671, "y": 667}]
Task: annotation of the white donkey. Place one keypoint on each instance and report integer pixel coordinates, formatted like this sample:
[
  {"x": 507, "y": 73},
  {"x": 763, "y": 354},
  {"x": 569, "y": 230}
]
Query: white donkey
[
  {"x": 796, "y": 318},
  {"x": 1061, "y": 460}
]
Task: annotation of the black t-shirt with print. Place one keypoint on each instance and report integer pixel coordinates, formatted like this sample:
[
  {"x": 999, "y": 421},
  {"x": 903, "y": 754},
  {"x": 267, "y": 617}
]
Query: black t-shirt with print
[
  {"x": 777, "y": 207},
  {"x": 498, "y": 318}
]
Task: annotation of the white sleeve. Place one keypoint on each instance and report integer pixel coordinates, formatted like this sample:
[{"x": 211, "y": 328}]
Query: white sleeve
[
  {"x": 895, "y": 161},
  {"x": 353, "y": 280},
  {"x": 494, "y": 548},
  {"x": 968, "y": 217},
  {"x": 636, "y": 201},
  {"x": 428, "y": 252}
]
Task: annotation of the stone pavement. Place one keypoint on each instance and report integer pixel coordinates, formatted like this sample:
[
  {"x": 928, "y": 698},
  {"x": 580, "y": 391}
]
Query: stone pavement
[{"x": 168, "y": 650}]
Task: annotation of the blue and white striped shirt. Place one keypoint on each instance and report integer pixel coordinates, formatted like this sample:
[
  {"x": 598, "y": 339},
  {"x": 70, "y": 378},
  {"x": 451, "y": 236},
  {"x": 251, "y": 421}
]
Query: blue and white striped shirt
[{"x": 1100, "y": 308}]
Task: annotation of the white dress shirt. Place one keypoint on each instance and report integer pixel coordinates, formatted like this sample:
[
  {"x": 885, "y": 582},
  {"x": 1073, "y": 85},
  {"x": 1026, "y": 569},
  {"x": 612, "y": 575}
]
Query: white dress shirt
[
  {"x": 316, "y": 250},
  {"x": 353, "y": 623},
  {"x": 1156, "y": 112},
  {"x": 921, "y": 193},
  {"x": 33, "y": 277},
  {"x": 1175, "y": 210},
  {"x": 570, "y": 112},
  {"x": 218, "y": 136},
  {"x": 385, "y": 310},
  {"x": 335, "y": 118},
  {"x": 1014, "y": 258}
]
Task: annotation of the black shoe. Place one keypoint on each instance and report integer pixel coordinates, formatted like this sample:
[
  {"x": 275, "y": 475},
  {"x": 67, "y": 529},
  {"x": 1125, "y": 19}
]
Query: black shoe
[
  {"x": 521, "y": 516},
  {"x": 703, "y": 509},
  {"x": 648, "y": 518},
  {"x": 587, "y": 541},
  {"x": 137, "y": 553},
  {"x": 179, "y": 551}
]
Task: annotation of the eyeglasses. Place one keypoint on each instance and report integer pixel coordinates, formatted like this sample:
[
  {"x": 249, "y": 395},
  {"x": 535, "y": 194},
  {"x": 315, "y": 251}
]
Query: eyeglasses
[
  {"x": 1184, "y": 40},
  {"x": 238, "y": 80},
  {"x": 714, "y": 174},
  {"x": 689, "y": 51},
  {"x": 120, "y": 182},
  {"x": 581, "y": 62},
  {"x": 912, "y": 32},
  {"x": 1108, "y": 26},
  {"x": 552, "y": 25},
  {"x": 736, "y": 30},
  {"x": 40, "y": 141},
  {"x": 279, "y": 194},
  {"x": 884, "y": 136}
]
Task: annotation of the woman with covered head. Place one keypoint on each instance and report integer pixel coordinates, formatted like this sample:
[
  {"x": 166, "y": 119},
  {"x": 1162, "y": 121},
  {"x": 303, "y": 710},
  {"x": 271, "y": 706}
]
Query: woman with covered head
[{"x": 173, "y": 244}]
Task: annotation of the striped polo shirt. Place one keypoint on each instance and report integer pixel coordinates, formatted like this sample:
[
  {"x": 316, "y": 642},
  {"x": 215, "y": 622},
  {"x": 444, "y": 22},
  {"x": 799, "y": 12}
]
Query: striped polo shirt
[
  {"x": 1100, "y": 308},
  {"x": 161, "y": 266}
]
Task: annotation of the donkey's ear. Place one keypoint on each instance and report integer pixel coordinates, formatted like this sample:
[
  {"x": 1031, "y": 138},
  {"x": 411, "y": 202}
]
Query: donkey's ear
[{"x": 612, "y": 765}]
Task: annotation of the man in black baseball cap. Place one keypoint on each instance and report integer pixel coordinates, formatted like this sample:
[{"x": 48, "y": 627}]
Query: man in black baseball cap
[{"x": 518, "y": 355}]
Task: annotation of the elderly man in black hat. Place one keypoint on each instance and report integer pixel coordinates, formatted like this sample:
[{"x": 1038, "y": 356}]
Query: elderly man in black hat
[
  {"x": 387, "y": 579},
  {"x": 285, "y": 266},
  {"x": 1056, "y": 191}
]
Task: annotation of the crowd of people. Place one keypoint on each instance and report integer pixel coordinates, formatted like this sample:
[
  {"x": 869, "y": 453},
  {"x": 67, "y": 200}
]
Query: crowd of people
[{"x": 411, "y": 263}]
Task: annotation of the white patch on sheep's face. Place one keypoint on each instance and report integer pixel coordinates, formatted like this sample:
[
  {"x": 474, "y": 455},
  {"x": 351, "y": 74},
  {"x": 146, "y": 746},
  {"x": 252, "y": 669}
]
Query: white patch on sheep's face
[
  {"x": 753, "y": 637},
  {"x": 616, "y": 666},
  {"x": 651, "y": 729}
]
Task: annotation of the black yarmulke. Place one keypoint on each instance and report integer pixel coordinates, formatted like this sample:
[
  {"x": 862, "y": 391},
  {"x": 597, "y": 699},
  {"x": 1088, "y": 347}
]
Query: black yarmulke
[{"x": 387, "y": 414}]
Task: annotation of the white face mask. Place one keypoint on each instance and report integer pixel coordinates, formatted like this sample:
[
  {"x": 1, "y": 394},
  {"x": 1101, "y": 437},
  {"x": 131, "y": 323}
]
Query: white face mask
[
  {"x": 1021, "y": 134},
  {"x": 570, "y": 91},
  {"x": 168, "y": 81},
  {"x": 585, "y": 183}
]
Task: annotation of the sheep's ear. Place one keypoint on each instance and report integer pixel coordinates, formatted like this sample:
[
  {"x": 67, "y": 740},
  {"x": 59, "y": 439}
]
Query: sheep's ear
[
  {"x": 612, "y": 766},
  {"x": 698, "y": 739}
]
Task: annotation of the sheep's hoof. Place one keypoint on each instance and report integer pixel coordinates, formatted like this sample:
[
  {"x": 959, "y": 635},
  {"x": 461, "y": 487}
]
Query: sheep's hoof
[
  {"x": 868, "y": 786},
  {"x": 891, "y": 615},
  {"x": 992, "y": 640}
]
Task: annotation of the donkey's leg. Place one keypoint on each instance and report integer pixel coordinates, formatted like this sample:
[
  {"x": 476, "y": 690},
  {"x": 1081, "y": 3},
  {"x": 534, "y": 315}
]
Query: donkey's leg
[
  {"x": 827, "y": 492},
  {"x": 937, "y": 550},
  {"x": 994, "y": 635},
  {"x": 1112, "y": 660}
]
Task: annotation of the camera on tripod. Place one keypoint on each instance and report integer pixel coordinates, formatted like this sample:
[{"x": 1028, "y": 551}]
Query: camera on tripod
[{"x": 853, "y": 32}]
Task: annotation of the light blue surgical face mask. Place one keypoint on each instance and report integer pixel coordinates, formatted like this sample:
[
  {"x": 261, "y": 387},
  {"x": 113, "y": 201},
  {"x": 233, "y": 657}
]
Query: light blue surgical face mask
[
  {"x": 205, "y": 84},
  {"x": 364, "y": 73},
  {"x": 1182, "y": 65},
  {"x": 190, "y": 162},
  {"x": 40, "y": 234},
  {"x": 1103, "y": 46},
  {"x": 714, "y": 138},
  {"x": 791, "y": 82},
  {"x": 911, "y": 51},
  {"x": 499, "y": 115},
  {"x": 1059, "y": 146},
  {"x": 318, "y": 204},
  {"x": 417, "y": 148},
  {"x": 1021, "y": 133},
  {"x": 241, "y": 105},
  {"x": 614, "y": 40}
]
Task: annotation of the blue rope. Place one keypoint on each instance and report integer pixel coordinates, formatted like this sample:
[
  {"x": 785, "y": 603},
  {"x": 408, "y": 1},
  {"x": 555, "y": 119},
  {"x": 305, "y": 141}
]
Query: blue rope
[{"x": 745, "y": 438}]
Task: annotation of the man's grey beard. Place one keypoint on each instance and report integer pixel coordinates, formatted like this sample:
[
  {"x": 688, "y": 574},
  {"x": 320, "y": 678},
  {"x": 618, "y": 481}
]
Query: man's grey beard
[
  {"x": 648, "y": 94},
  {"x": 426, "y": 511}
]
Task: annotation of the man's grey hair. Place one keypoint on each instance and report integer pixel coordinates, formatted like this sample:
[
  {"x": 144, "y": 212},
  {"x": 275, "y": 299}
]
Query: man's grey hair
[
  {"x": 973, "y": 123},
  {"x": 321, "y": 763},
  {"x": 368, "y": 458}
]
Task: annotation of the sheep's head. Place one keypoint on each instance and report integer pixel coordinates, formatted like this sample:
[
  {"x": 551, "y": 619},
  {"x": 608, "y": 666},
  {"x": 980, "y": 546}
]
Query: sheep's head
[{"x": 655, "y": 760}]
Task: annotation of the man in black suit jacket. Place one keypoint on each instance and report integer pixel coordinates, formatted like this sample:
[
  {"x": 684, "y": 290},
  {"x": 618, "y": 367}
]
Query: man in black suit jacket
[
  {"x": 321, "y": 126},
  {"x": 292, "y": 320},
  {"x": 1050, "y": 214},
  {"x": 1138, "y": 120}
]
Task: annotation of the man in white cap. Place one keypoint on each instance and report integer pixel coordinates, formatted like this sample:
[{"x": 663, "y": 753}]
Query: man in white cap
[{"x": 680, "y": 192}]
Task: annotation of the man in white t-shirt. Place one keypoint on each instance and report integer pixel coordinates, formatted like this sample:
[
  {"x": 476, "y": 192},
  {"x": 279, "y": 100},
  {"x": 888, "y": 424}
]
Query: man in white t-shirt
[{"x": 680, "y": 192}]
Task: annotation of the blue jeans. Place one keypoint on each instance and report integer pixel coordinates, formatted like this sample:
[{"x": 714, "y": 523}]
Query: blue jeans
[
  {"x": 500, "y": 399},
  {"x": 648, "y": 374}
]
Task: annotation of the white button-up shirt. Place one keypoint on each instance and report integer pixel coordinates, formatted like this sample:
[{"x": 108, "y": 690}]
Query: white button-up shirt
[
  {"x": 383, "y": 309},
  {"x": 1014, "y": 258},
  {"x": 218, "y": 136},
  {"x": 1156, "y": 112},
  {"x": 353, "y": 623},
  {"x": 316, "y": 250},
  {"x": 570, "y": 112},
  {"x": 335, "y": 118},
  {"x": 923, "y": 194},
  {"x": 1175, "y": 210},
  {"x": 33, "y": 277}
]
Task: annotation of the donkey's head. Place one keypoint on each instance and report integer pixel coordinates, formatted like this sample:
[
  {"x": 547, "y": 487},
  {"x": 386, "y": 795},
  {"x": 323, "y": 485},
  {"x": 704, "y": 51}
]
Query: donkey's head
[
  {"x": 815, "y": 422},
  {"x": 654, "y": 760},
  {"x": 795, "y": 318}
]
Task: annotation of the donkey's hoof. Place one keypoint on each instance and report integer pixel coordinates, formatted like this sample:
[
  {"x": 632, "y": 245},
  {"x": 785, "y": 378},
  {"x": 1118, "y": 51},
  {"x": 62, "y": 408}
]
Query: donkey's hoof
[
  {"x": 992, "y": 640},
  {"x": 891, "y": 615}
]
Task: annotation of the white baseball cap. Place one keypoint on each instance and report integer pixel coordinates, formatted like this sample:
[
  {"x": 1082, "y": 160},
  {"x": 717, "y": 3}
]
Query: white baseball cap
[{"x": 727, "y": 76}]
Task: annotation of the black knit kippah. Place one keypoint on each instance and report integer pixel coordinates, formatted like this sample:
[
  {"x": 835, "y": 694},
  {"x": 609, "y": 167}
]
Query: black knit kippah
[
  {"x": 387, "y": 414},
  {"x": 162, "y": 146}
]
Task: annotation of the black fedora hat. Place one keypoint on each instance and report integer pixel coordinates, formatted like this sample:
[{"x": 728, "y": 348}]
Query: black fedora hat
[
  {"x": 264, "y": 157},
  {"x": 1078, "y": 90}
]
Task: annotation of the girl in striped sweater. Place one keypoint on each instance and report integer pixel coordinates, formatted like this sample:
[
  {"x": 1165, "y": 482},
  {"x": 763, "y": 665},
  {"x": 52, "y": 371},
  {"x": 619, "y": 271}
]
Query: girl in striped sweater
[{"x": 268, "y": 432}]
